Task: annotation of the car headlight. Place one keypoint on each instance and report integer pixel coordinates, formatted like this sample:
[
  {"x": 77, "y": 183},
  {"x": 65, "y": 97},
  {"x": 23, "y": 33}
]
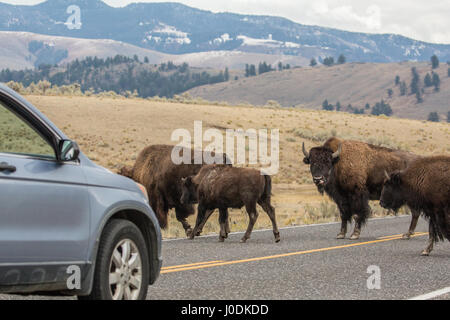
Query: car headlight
[{"x": 143, "y": 190}]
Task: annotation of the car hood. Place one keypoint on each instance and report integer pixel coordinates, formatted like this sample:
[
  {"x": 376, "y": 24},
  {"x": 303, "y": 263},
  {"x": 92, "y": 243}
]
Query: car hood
[{"x": 99, "y": 176}]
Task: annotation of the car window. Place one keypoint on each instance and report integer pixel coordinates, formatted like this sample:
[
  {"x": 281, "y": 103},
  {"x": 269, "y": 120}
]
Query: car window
[{"x": 18, "y": 137}]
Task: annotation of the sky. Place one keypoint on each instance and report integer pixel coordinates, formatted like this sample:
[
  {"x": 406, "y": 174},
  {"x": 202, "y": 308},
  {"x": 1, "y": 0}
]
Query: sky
[{"x": 418, "y": 19}]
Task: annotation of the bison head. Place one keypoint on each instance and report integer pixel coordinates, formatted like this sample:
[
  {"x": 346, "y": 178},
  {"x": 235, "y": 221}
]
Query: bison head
[
  {"x": 188, "y": 191},
  {"x": 321, "y": 161},
  {"x": 392, "y": 194}
]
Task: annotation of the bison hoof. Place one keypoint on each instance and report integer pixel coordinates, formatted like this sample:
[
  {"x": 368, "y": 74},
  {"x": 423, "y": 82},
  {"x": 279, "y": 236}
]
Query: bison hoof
[
  {"x": 189, "y": 232},
  {"x": 341, "y": 236},
  {"x": 277, "y": 237},
  {"x": 425, "y": 253},
  {"x": 243, "y": 240},
  {"x": 407, "y": 236},
  {"x": 354, "y": 237},
  {"x": 221, "y": 239},
  {"x": 198, "y": 233}
]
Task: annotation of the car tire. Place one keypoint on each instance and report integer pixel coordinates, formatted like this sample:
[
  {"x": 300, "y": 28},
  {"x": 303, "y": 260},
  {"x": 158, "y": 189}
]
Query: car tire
[{"x": 122, "y": 266}]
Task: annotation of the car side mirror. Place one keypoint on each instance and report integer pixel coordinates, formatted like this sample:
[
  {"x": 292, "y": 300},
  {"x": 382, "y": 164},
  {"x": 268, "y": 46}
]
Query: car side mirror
[{"x": 68, "y": 151}]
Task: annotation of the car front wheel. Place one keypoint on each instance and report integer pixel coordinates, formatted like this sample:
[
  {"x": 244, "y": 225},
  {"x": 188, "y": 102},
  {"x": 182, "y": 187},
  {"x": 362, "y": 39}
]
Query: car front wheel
[{"x": 122, "y": 267}]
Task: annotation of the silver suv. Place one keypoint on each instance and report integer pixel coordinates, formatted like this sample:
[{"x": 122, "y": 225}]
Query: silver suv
[{"x": 68, "y": 225}]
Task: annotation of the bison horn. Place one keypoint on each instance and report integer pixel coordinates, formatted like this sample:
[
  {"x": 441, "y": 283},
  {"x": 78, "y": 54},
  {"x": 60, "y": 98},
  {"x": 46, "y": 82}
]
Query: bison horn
[
  {"x": 387, "y": 175},
  {"x": 304, "y": 151},
  {"x": 337, "y": 153}
]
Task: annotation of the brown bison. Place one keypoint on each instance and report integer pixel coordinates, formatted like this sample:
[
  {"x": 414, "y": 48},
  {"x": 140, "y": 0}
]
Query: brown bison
[
  {"x": 352, "y": 173},
  {"x": 424, "y": 186},
  {"x": 222, "y": 187},
  {"x": 155, "y": 170}
]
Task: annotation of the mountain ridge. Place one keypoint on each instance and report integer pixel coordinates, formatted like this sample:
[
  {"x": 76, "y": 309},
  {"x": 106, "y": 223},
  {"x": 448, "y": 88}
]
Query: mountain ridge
[{"x": 174, "y": 28}]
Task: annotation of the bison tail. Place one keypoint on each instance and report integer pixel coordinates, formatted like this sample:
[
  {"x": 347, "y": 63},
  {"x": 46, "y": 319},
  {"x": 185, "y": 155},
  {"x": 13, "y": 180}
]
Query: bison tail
[
  {"x": 267, "y": 187},
  {"x": 126, "y": 171}
]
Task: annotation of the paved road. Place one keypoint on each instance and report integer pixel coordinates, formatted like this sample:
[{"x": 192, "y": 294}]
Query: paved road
[{"x": 308, "y": 263}]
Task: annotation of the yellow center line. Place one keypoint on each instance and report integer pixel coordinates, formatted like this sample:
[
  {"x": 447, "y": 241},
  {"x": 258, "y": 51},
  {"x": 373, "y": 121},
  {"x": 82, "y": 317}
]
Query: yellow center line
[
  {"x": 190, "y": 265},
  {"x": 282, "y": 255},
  {"x": 401, "y": 235}
]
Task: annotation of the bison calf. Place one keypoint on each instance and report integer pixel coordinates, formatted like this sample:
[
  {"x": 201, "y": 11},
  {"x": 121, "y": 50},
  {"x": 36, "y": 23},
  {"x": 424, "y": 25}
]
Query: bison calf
[
  {"x": 425, "y": 186},
  {"x": 223, "y": 187}
]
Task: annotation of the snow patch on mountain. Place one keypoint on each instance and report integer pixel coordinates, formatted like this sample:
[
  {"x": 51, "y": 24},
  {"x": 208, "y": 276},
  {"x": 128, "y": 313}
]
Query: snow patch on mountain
[{"x": 167, "y": 34}]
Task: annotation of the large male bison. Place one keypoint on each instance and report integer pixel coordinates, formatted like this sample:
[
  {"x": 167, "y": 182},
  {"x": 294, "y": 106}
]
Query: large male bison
[
  {"x": 222, "y": 187},
  {"x": 155, "y": 170},
  {"x": 352, "y": 173},
  {"x": 425, "y": 186}
]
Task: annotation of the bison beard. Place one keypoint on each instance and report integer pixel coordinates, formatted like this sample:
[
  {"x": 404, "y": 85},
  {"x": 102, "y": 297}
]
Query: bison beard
[{"x": 155, "y": 170}]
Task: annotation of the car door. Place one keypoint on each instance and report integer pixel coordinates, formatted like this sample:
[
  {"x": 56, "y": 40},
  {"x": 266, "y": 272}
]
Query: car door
[{"x": 44, "y": 205}]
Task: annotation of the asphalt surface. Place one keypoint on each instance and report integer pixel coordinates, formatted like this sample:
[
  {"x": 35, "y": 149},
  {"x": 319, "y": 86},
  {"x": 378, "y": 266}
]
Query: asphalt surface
[{"x": 308, "y": 263}]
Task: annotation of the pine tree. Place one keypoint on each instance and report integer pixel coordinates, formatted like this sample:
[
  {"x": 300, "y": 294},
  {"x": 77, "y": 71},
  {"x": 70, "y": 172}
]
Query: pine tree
[
  {"x": 434, "y": 117},
  {"x": 390, "y": 93},
  {"x": 448, "y": 117},
  {"x": 382, "y": 108},
  {"x": 252, "y": 70},
  {"x": 341, "y": 59},
  {"x": 415, "y": 81},
  {"x": 367, "y": 106},
  {"x": 397, "y": 80},
  {"x": 327, "y": 106},
  {"x": 419, "y": 97},
  {"x": 280, "y": 66},
  {"x": 146, "y": 60},
  {"x": 338, "y": 106},
  {"x": 403, "y": 88},
  {"x": 436, "y": 82},
  {"x": 226, "y": 75},
  {"x": 313, "y": 62},
  {"x": 428, "y": 81},
  {"x": 328, "y": 61},
  {"x": 434, "y": 62}
]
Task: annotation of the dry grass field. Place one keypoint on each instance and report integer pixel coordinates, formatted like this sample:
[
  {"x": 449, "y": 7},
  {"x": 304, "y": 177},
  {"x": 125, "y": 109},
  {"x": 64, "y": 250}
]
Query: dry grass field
[{"x": 113, "y": 131}]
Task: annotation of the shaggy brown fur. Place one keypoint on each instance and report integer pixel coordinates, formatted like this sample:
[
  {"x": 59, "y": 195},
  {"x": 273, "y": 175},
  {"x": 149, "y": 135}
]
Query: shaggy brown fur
[
  {"x": 355, "y": 177},
  {"x": 155, "y": 170},
  {"x": 222, "y": 187},
  {"x": 425, "y": 186}
]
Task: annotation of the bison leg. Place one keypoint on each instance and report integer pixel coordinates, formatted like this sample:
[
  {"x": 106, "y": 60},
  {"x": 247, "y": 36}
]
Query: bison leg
[
  {"x": 202, "y": 224},
  {"x": 415, "y": 218},
  {"x": 344, "y": 211},
  {"x": 182, "y": 213},
  {"x": 253, "y": 216},
  {"x": 223, "y": 218},
  {"x": 431, "y": 240},
  {"x": 200, "y": 217},
  {"x": 343, "y": 232},
  {"x": 357, "y": 231},
  {"x": 360, "y": 206},
  {"x": 270, "y": 210}
]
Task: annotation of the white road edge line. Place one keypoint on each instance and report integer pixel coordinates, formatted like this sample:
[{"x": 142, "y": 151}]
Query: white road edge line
[
  {"x": 432, "y": 295},
  {"x": 291, "y": 227}
]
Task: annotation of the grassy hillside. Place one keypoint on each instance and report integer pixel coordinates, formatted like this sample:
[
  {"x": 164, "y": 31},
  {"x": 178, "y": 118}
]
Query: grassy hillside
[
  {"x": 17, "y": 55},
  {"x": 352, "y": 83},
  {"x": 112, "y": 132}
]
